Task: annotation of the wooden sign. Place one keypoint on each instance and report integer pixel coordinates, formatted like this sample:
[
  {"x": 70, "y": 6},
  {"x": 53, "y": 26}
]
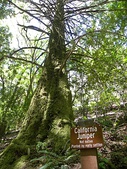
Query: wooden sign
[{"x": 87, "y": 136}]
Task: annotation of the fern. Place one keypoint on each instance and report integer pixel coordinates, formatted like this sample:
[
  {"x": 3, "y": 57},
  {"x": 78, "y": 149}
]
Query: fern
[
  {"x": 46, "y": 166},
  {"x": 71, "y": 158},
  {"x": 56, "y": 161},
  {"x": 49, "y": 153},
  {"x": 38, "y": 159}
]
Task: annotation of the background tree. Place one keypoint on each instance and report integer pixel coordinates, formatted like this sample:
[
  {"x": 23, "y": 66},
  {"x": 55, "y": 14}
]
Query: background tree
[
  {"x": 104, "y": 59},
  {"x": 5, "y": 37},
  {"x": 17, "y": 82}
]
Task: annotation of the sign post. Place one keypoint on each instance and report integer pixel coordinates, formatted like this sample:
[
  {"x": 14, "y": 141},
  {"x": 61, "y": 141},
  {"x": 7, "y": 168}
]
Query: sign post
[
  {"x": 89, "y": 158},
  {"x": 87, "y": 137}
]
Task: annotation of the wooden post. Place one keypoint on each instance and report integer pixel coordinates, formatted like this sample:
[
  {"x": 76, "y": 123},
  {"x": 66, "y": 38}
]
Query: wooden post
[{"x": 89, "y": 159}]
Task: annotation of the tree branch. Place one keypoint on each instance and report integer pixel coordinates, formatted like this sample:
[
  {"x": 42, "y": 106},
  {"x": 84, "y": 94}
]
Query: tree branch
[
  {"x": 33, "y": 28},
  {"x": 86, "y": 9},
  {"x": 27, "y": 12},
  {"x": 24, "y": 60},
  {"x": 32, "y": 47}
]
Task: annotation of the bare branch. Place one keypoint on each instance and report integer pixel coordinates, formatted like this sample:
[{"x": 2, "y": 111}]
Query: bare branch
[
  {"x": 29, "y": 13},
  {"x": 32, "y": 47},
  {"x": 33, "y": 28},
  {"x": 24, "y": 60}
]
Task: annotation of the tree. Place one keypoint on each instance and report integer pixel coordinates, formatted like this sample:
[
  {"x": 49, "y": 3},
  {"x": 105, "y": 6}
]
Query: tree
[
  {"x": 5, "y": 37},
  {"x": 16, "y": 77},
  {"x": 50, "y": 115},
  {"x": 101, "y": 59}
]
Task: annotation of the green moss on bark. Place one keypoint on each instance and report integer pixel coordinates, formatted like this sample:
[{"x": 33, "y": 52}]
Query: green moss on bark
[
  {"x": 11, "y": 154},
  {"x": 59, "y": 136},
  {"x": 21, "y": 163}
]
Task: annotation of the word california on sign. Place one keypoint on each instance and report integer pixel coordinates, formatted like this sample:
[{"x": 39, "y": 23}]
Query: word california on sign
[{"x": 89, "y": 136}]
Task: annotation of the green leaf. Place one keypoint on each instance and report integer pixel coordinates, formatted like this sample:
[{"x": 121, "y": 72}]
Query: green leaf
[{"x": 46, "y": 166}]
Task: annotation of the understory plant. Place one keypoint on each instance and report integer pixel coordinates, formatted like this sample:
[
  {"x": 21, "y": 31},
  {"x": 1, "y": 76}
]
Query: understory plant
[
  {"x": 49, "y": 159},
  {"x": 105, "y": 163}
]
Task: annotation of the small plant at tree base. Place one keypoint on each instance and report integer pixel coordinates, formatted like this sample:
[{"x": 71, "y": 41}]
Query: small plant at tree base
[{"x": 49, "y": 159}]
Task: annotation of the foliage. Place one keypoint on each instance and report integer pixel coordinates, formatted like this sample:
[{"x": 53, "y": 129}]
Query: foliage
[
  {"x": 17, "y": 79},
  {"x": 5, "y": 9},
  {"x": 122, "y": 119},
  {"x": 16, "y": 92},
  {"x": 95, "y": 59},
  {"x": 105, "y": 163},
  {"x": 5, "y": 37},
  {"x": 105, "y": 121},
  {"x": 50, "y": 159},
  {"x": 97, "y": 64},
  {"x": 119, "y": 159}
]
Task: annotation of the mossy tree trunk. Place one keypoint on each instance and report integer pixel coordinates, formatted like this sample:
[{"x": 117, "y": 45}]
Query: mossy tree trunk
[{"x": 50, "y": 113}]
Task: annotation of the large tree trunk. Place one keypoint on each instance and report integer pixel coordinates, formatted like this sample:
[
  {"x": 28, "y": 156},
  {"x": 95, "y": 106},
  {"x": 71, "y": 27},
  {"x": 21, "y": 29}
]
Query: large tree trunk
[{"x": 50, "y": 113}]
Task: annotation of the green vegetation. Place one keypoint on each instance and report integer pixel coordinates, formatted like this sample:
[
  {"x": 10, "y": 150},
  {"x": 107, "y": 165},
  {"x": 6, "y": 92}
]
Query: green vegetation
[
  {"x": 49, "y": 159},
  {"x": 70, "y": 61}
]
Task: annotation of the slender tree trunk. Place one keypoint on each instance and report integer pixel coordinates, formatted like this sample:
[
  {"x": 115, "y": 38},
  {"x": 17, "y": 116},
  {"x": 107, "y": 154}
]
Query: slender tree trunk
[{"x": 50, "y": 113}]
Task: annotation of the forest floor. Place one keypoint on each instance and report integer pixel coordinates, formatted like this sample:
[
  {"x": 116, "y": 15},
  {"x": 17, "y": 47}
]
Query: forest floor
[{"x": 115, "y": 147}]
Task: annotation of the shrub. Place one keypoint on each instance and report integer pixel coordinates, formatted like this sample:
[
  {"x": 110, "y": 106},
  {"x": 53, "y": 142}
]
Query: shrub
[
  {"x": 105, "y": 163},
  {"x": 119, "y": 159}
]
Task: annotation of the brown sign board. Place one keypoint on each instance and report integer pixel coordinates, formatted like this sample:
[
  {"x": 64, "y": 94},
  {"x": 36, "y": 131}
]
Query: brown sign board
[{"x": 87, "y": 136}]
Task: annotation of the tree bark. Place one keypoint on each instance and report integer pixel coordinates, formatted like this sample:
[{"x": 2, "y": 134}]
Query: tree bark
[{"x": 50, "y": 115}]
